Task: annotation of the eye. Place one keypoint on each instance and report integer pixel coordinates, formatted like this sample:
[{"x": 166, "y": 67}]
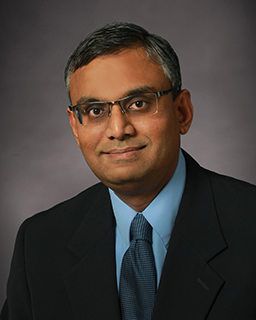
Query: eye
[
  {"x": 94, "y": 110},
  {"x": 142, "y": 104},
  {"x": 137, "y": 103}
]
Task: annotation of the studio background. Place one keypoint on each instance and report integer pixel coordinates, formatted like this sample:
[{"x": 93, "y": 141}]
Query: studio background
[{"x": 41, "y": 164}]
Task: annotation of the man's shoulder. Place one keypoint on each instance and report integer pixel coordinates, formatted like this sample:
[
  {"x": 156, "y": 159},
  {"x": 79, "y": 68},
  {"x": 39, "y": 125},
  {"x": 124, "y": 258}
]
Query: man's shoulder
[
  {"x": 231, "y": 188},
  {"x": 229, "y": 193},
  {"x": 221, "y": 183},
  {"x": 233, "y": 200},
  {"x": 235, "y": 203},
  {"x": 68, "y": 213}
]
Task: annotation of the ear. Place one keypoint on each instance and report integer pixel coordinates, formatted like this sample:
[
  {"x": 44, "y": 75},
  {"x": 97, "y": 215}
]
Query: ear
[
  {"x": 184, "y": 110},
  {"x": 73, "y": 123}
]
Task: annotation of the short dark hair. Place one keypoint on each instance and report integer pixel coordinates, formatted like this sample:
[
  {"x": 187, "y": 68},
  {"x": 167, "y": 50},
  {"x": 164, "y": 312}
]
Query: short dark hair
[{"x": 115, "y": 37}]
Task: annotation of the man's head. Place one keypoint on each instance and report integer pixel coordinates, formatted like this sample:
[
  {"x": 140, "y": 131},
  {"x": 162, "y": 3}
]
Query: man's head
[
  {"x": 118, "y": 36},
  {"x": 131, "y": 144}
]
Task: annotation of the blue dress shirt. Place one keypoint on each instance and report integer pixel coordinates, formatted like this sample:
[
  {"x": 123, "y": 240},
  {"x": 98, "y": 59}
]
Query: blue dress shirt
[{"x": 160, "y": 213}]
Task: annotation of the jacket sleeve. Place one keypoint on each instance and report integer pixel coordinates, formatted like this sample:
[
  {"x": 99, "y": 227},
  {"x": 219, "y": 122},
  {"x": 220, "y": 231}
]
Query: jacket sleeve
[{"x": 18, "y": 303}]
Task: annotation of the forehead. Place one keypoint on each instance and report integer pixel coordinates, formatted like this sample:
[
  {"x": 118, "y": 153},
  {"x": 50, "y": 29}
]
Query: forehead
[{"x": 110, "y": 76}]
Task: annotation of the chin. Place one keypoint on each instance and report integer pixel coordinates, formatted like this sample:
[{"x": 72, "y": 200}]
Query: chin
[{"x": 125, "y": 183}]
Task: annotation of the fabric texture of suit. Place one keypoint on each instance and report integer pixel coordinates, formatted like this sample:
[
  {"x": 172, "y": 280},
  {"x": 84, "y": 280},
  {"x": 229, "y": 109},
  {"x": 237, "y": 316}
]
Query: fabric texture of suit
[{"x": 64, "y": 260}]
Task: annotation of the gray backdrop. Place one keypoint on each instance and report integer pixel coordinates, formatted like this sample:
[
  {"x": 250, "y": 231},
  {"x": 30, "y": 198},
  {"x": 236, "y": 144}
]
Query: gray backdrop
[{"x": 40, "y": 162}]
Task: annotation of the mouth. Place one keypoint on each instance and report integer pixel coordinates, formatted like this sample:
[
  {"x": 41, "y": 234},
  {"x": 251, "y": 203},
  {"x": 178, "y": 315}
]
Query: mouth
[
  {"x": 123, "y": 150},
  {"x": 127, "y": 153}
]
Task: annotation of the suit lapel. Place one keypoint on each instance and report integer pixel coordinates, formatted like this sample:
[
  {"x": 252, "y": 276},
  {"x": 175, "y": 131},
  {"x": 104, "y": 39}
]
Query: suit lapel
[
  {"x": 91, "y": 284},
  {"x": 189, "y": 286}
]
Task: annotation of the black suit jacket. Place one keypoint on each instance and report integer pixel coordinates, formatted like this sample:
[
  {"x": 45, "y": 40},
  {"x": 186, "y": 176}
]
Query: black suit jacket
[{"x": 64, "y": 260}]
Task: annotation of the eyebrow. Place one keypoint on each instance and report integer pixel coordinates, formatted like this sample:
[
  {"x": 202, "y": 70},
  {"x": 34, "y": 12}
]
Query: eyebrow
[{"x": 143, "y": 89}]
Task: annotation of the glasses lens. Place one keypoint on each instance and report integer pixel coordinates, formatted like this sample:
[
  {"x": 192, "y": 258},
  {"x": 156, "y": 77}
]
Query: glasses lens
[
  {"x": 140, "y": 105},
  {"x": 92, "y": 113}
]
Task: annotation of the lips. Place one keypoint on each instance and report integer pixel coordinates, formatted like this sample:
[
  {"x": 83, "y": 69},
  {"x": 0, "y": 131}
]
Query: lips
[
  {"x": 124, "y": 150},
  {"x": 124, "y": 154}
]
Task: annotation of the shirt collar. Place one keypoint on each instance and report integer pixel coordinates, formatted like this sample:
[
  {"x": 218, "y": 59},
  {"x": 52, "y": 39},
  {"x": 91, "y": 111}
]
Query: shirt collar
[{"x": 160, "y": 213}]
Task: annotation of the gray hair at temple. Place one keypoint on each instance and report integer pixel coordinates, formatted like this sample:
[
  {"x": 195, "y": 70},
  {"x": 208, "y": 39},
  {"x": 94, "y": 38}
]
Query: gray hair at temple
[{"x": 117, "y": 36}]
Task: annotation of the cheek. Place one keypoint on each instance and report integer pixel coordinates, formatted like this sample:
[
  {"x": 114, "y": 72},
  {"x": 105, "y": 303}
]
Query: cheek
[
  {"x": 89, "y": 139},
  {"x": 165, "y": 136}
]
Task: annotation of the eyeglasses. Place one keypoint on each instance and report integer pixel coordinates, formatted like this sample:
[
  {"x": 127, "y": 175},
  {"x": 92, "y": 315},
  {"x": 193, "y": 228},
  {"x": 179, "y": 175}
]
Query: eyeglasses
[{"x": 134, "y": 106}]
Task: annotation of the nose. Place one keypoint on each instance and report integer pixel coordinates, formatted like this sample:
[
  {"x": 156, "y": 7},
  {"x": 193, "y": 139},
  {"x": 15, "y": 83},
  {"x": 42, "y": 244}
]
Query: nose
[{"x": 118, "y": 126}]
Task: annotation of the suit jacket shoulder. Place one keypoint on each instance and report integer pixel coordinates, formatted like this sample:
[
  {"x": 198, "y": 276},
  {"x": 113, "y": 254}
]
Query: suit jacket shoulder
[{"x": 69, "y": 210}]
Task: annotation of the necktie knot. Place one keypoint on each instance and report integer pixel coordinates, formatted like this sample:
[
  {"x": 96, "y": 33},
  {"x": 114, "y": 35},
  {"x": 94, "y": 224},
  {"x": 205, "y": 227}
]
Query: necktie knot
[{"x": 140, "y": 229}]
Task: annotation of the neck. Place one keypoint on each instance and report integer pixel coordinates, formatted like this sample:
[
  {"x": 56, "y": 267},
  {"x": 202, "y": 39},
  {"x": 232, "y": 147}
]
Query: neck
[
  {"x": 138, "y": 204},
  {"x": 139, "y": 198}
]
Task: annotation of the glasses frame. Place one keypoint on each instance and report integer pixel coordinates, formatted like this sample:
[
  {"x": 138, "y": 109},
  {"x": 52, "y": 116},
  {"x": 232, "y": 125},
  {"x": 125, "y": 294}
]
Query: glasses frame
[{"x": 157, "y": 93}]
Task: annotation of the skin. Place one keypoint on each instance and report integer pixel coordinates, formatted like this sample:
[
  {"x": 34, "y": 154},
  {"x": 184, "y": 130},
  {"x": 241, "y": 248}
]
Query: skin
[{"x": 137, "y": 157}]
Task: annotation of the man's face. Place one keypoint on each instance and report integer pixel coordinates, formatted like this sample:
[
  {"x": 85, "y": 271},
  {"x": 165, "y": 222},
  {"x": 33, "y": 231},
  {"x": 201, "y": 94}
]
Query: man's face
[{"x": 130, "y": 156}]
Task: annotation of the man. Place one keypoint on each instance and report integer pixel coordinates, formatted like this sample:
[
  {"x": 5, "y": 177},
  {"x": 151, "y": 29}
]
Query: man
[{"x": 76, "y": 260}]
